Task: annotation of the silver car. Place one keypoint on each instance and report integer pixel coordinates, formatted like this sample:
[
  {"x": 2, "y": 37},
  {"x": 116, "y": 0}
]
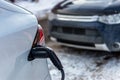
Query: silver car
[{"x": 19, "y": 34}]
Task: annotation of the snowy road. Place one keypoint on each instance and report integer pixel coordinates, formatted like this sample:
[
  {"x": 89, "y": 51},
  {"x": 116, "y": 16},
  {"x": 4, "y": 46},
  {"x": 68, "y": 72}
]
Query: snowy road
[{"x": 85, "y": 65}]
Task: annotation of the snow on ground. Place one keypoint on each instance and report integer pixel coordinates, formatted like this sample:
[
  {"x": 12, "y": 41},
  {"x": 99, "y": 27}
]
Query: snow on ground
[{"x": 85, "y": 65}]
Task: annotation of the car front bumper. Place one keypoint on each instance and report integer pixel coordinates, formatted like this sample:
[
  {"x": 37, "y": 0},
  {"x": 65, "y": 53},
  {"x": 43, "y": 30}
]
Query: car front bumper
[
  {"x": 99, "y": 47},
  {"x": 86, "y": 34}
]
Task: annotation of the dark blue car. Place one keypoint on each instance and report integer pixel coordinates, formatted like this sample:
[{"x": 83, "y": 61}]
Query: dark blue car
[{"x": 93, "y": 24}]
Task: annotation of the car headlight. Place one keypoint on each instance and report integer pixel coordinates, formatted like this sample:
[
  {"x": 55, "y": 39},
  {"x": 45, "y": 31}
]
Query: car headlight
[{"x": 110, "y": 19}]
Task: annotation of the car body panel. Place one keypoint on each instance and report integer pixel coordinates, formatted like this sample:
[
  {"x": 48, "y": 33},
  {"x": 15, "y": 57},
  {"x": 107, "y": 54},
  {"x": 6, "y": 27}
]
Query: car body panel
[
  {"x": 10, "y": 7},
  {"x": 17, "y": 33}
]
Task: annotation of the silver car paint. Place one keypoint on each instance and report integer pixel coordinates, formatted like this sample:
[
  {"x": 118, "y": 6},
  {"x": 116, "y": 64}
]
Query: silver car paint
[
  {"x": 17, "y": 32},
  {"x": 11, "y": 7}
]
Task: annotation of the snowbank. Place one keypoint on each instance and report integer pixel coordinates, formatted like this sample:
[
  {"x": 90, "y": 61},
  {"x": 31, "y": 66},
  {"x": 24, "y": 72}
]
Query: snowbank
[{"x": 85, "y": 65}]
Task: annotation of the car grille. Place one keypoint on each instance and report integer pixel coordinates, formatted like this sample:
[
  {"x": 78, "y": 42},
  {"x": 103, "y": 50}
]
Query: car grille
[
  {"x": 76, "y": 43},
  {"x": 76, "y": 31},
  {"x": 77, "y": 18}
]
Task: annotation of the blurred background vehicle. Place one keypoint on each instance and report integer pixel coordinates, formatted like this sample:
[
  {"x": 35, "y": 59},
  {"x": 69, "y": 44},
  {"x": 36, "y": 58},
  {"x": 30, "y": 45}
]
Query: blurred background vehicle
[{"x": 91, "y": 24}]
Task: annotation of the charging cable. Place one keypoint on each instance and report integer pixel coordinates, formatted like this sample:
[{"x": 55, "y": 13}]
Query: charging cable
[{"x": 43, "y": 52}]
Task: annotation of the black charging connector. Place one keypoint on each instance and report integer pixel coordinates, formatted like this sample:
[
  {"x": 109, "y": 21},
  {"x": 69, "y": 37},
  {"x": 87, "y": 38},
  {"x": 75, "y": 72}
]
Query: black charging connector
[{"x": 43, "y": 52}]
